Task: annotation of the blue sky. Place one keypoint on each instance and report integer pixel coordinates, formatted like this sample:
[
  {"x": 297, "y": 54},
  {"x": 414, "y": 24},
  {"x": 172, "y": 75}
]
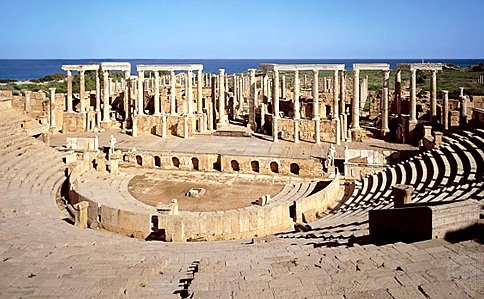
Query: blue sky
[{"x": 242, "y": 29}]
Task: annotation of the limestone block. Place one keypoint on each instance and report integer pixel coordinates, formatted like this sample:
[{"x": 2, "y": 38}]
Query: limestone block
[{"x": 402, "y": 195}]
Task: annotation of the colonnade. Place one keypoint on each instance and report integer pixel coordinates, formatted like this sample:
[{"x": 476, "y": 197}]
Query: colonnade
[{"x": 273, "y": 87}]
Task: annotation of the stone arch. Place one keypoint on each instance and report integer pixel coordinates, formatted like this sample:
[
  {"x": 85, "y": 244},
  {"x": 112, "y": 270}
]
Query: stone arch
[
  {"x": 139, "y": 160},
  {"x": 294, "y": 168},
  {"x": 255, "y": 166},
  {"x": 274, "y": 167},
  {"x": 235, "y": 165},
  {"x": 176, "y": 162},
  {"x": 157, "y": 161},
  {"x": 195, "y": 163}
]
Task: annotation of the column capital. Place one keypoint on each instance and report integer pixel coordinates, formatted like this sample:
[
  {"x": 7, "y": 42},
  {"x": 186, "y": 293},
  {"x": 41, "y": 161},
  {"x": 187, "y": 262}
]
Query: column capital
[
  {"x": 221, "y": 72},
  {"x": 386, "y": 73},
  {"x": 52, "y": 89},
  {"x": 356, "y": 72},
  {"x": 69, "y": 73},
  {"x": 445, "y": 92},
  {"x": 27, "y": 92},
  {"x": 413, "y": 71},
  {"x": 315, "y": 72}
]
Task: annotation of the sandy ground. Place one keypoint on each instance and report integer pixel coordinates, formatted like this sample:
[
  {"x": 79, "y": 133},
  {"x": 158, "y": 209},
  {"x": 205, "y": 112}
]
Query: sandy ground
[{"x": 222, "y": 192}]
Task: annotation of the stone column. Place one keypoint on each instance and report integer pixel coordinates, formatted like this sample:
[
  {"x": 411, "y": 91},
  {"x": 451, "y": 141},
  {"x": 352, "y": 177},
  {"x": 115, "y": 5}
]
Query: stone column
[
  {"x": 190, "y": 92},
  {"x": 98, "y": 99},
  {"x": 27, "y": 102},
  {"x": 106, "y": 106},
  {"x": 127, "y": 96},
  {"x": 199, "y": 92},
  {"x": 433, "y": 95},
  {"x": 275, "y": 117},
  {"x": 141, "y": 94},
  {"x": 297, "y": 91},
  {"x": 185, "y": 127},
  {"x": 283, "y": 89},
  {"x": 342, "y": 102},
  {"x": 253, "y": 99},
  {"x": 82, "y": 91},
  {"x": 336, "y": 105},
  {"x": 52, "y": 108},
  {"x": 413, "y": 96},
  {"x": 315, "y": 95},
  {"x": 221, "y": 97},
  {"x": 398, "y": 92},
  {"x": 463, "y": 106},
  {"x": 163, "y": 126},
  {"x": 336, "y": 95},
  {"x": 355, "y": 105},
  {"x": 445, "y": 110},
  {"x": 384, "y": 106},
  {"x": 157, "y": 93},
  {"x": 172, "y": 93},
  {"x": 69, "y": 91}
]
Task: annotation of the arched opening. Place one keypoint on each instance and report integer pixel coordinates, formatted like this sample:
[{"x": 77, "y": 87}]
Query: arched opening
[
  {"x": 274, "y": 167},
  {"x": 139, "y": 160},
  {"x": 153, "y": 130},
  {"x": 195, "y": 163},
  {"x": 157, "y": 162},
  {"x": 294, "y": 168},
  {"x": 255, "y": 166},
  {"x": 235, "y": 165},
  {"x": 125, "y": 158},
  {"x": 176, "y": 162}
]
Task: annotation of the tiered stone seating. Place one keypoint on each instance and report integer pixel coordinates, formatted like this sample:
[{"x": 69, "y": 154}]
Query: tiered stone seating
[
  {"x": 451, "y": 172},
  {"x": 42, "y": 256}
]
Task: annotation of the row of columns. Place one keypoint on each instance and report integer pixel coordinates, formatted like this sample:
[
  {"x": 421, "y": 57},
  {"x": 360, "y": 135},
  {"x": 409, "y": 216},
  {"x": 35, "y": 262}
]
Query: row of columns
[{"x": 172, "y": 98}]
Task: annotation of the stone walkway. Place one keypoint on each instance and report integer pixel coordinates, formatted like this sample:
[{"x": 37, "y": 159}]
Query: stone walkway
[{"x": 246, "y": 146}]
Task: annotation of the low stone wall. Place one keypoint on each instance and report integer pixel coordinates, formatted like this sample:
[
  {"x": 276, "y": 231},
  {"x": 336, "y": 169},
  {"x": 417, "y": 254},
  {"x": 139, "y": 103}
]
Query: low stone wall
[
  {"x": 153, "y": 124},
  {"x": 309, "y": 168},
  {"x": 253, "y": 221},
  {"x": 310, "y": 208}
]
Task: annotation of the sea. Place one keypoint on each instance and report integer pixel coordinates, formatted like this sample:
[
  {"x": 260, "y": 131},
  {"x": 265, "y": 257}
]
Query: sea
[{"x": 26, "y": 69}]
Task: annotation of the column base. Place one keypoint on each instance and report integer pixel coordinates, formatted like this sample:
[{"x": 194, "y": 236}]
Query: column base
[
  {"x": 356, "y": 134},
  {"x": 384, "y": 132},
  {"x": 106, "y": 124}
]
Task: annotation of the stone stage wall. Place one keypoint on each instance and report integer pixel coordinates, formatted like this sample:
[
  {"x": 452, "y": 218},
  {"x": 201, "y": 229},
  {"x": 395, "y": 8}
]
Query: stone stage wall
[{"x": 308, "y": 168}]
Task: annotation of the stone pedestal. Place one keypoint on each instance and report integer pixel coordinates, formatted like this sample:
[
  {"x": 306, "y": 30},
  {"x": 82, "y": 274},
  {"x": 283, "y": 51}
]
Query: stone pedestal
[
  {"x": 106, "y": 124},
  {"x": 100, "y": 162},
  {"x": 402, "y": 195},
  {"x": 114, "y": 165},
  {"x": 81, "y": 214}
]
